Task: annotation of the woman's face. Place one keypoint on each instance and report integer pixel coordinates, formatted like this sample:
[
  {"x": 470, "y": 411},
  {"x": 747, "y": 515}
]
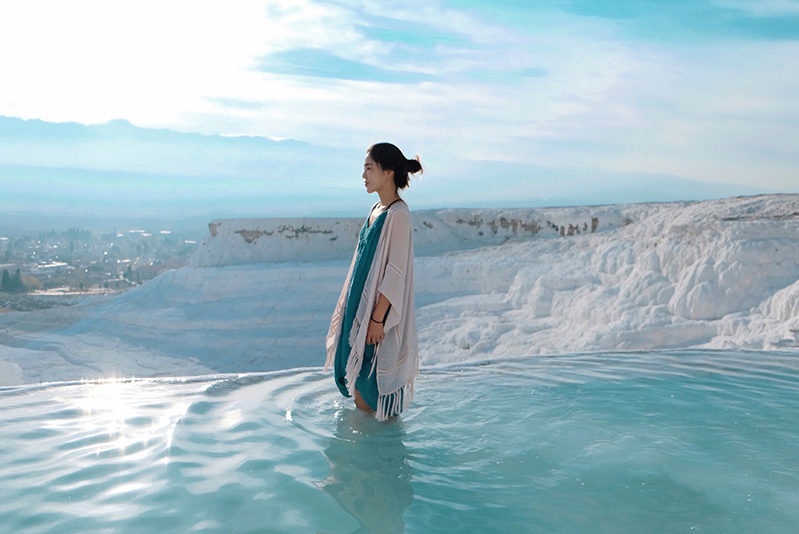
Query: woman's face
[{"x": 375, "y": 178}]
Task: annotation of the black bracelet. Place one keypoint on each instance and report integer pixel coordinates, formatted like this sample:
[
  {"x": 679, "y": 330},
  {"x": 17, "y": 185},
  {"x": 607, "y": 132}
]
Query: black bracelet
[{"x": 385, "y": 316}]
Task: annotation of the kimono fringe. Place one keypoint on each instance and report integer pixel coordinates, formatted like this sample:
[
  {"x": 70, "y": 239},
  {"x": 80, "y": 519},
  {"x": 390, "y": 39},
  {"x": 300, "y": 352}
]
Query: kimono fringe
[
  {"x": 355, "y": 359},
  {"x": 394, "y": 403}
]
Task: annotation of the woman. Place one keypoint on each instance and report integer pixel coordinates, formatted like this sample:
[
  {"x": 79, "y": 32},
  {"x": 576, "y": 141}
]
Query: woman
[{"x": 372, "y": 338}]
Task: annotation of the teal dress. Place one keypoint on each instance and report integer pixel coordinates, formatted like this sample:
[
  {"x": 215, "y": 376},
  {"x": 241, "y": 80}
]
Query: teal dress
[{"x": 366, "y": 383}]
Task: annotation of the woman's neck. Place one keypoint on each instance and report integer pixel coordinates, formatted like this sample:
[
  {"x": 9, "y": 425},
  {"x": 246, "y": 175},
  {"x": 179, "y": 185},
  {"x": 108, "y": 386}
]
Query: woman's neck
[{"x": 387, "y": 197}]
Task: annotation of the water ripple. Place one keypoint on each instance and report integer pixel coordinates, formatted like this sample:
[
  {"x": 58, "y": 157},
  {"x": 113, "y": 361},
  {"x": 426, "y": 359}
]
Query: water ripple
[{"x": 672, "y": 441}]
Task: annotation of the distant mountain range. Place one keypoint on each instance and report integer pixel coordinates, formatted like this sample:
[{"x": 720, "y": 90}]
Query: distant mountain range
[{"x": 117, "y": 169}]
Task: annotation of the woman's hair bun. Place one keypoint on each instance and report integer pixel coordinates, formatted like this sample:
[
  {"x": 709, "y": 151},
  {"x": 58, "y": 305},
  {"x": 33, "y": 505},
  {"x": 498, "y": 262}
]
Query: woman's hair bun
[
  {"x": 389, "y": 157},
  {"x": 414, "y": 165}
]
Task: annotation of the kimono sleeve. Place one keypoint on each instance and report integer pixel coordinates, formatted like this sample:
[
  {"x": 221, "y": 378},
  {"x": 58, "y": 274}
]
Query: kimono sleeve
[{"x": 399, "y": 257}]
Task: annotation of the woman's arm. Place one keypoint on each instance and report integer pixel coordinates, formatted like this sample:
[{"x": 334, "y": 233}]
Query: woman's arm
[
  {"x": 391, "y": 289},
  {"x": 375, "y": 333}
]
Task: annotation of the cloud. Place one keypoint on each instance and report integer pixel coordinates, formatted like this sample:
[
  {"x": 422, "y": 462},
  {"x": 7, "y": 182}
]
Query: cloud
[
  {"x": 724, "y": 114},
  {"x": 318, "y": 63},
  {"x": 762, "y": 8},
  {"x": 148, "y": 61},
  {"x": 594, "y": 85}
]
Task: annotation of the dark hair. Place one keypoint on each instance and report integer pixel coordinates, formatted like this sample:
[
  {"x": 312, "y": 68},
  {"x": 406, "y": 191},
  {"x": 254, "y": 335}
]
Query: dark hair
[{"x": 389, "y": 157}]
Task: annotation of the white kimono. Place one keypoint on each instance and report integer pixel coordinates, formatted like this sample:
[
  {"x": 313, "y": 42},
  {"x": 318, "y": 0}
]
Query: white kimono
[{"x": 396, "y": 358}]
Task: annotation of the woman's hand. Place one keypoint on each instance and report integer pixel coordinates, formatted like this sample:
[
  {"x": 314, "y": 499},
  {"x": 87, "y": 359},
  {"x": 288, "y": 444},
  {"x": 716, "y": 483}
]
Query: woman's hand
[
  {"x": 374, "y": 333},
  {"x": 376, "y": 330}
]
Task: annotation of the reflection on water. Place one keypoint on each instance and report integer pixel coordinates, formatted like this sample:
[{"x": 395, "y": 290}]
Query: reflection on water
[{"x": 370, "y": 477}]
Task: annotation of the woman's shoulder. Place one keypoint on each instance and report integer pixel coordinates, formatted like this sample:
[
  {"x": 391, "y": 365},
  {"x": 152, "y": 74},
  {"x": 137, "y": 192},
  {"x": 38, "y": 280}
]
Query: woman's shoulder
[
  {"x": 399, "y": 205},
  {"x": 398, "y": 216},
  {"x": 399, "y": 210}
]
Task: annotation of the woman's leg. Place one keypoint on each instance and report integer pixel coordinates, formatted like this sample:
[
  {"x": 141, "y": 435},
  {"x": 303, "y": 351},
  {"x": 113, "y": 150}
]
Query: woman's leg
[
  {"x": 361, "y": 404},
  {"x": 366, "y": 383}
]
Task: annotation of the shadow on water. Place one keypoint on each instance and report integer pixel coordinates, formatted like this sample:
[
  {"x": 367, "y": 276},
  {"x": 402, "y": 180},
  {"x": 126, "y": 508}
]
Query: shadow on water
[{"x": 370, "y": 475}]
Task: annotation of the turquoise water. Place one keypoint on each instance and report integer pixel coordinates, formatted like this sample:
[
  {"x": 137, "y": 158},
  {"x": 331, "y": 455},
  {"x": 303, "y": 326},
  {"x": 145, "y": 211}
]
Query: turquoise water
[{"x": 644, "y": 442}]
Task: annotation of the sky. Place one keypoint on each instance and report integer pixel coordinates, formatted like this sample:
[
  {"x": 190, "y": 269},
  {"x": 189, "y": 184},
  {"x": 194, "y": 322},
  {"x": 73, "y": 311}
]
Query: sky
[{"x": 504, "y": 100}]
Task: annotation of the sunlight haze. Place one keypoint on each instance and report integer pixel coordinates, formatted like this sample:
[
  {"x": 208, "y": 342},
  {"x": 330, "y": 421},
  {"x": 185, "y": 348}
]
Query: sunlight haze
[{"x": 504, "y": 101}]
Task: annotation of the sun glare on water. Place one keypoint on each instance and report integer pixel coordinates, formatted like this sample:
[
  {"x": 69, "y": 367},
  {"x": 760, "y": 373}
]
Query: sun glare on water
[{"x": 119, "y": 415}]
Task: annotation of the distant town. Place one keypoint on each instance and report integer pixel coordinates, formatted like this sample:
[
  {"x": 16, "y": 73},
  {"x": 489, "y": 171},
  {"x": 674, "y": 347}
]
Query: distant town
[{"x": 35, "y": 269}]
